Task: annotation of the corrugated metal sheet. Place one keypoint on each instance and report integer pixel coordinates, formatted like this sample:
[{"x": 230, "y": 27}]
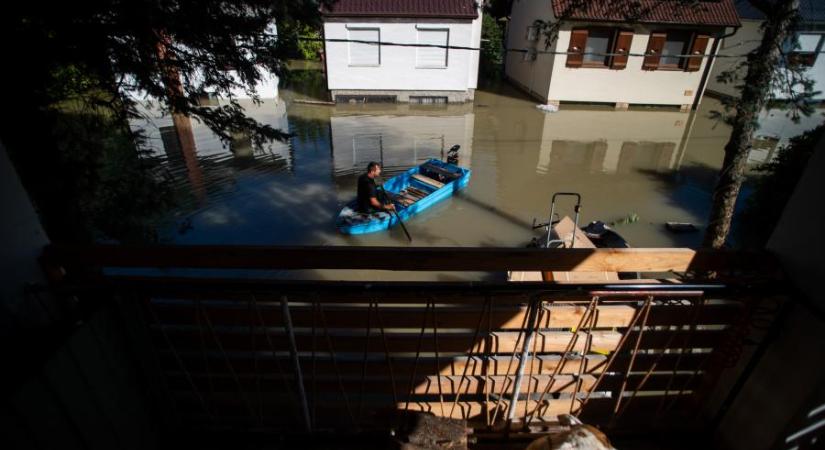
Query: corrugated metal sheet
[
  {"x": 451, "y": 9},
  {"x": 680, "y": 12}
]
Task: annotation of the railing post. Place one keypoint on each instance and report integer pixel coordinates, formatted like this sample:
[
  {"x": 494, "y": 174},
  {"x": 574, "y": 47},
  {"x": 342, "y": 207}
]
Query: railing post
[
  {"x": 525, "y": 353},
  {"x": 293, "y": 351}
]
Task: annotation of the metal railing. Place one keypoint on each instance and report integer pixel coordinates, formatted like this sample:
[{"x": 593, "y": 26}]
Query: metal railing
[{"x": 315, "y": 356}]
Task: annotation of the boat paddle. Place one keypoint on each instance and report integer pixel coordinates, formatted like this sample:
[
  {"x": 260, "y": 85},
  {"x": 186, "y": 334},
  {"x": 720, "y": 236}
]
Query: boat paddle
[{"x": 400, "y": 222}]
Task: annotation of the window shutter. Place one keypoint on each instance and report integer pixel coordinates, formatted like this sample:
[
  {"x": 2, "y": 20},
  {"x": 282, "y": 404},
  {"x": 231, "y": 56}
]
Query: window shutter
[
  {"x": 432, "y": 56},
  {"x": 654, "y": 51},
  {"x": 700, "y": 44},
  {"x": 621, "y": 49},
  {"x": 361, "y": 54},
  {"x": 578, "y": 39}
]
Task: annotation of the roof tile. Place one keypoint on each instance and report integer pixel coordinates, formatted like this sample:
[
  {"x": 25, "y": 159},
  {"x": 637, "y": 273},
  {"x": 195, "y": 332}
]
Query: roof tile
[
  {"x": 448, "y": 9},
  {"x": 681, "y": 12}
]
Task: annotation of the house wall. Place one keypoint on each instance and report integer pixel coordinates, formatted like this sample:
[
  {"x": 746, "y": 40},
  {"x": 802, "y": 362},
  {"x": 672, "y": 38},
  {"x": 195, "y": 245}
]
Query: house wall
[
  {"x": 548, "y": 78},
  {"x": 631, "y": 85},
  {"x": 774, "y": 123},
  {"x": 397, "y": 70},
  {"x": 531, "y": 76},
  {"x": 743, "y": 41}
]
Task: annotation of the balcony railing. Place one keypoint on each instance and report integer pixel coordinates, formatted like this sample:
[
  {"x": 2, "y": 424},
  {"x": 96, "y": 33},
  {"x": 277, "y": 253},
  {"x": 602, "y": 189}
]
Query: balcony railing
[{"x": 320, "y": 355}]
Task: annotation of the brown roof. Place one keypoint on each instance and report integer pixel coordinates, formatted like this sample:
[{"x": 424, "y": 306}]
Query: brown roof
[
  {"x": 447, "y": 9},
  {"x": 681, "y": 12}
]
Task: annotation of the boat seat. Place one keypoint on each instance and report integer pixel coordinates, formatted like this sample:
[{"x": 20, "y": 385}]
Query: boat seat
[
  {"x": 428, "y": 181},
  {"x": 440, "y": 171}
]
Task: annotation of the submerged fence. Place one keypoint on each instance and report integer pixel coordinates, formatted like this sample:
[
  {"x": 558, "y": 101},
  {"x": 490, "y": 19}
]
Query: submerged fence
[{"x": 313, "y": 356}]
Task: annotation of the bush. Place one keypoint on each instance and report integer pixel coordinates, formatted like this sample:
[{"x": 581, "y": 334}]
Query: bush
[{"x": 492, "y": 47}]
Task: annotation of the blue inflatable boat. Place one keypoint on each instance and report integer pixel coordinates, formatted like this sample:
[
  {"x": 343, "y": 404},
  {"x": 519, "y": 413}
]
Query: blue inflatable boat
[{"x": 412, "y": 192}]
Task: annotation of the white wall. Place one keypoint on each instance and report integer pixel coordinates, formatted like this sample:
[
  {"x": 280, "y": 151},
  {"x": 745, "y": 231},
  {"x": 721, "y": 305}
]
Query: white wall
[
  {"x": 397, "y": 70},
  {"x": 534, "y": 76},
  {"x": 745, "y": 40},
  {"x": 630, "y": 85},
  {"x": 548, "y": 77}
]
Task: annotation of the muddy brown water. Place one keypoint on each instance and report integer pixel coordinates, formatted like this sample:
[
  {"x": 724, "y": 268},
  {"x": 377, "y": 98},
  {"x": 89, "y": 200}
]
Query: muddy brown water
[{"x": 637, "y": 169}]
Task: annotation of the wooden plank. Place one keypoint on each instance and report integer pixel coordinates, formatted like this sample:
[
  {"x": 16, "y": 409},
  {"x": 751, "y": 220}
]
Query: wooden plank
[
  {"x": 502, "y": 342},
  {"x": 429, "y": 384},
  {"x": 245, "y": 362},
  {"x": 408, "y": 258},
  {"x": 428, "y": 181}
]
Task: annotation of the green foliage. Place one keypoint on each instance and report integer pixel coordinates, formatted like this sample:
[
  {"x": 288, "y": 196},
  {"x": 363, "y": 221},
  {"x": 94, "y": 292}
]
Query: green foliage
[
  {"x": 76, "y": 66},
  {"x": 492, "y": 47},
  {"x": 773, "y": 186},
  {"x": 310, "y": 49}
]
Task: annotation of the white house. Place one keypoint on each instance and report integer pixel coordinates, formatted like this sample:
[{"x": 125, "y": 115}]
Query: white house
[
  {"x": 418, "y": 51},
  {"x": 622, "y": 52},
  {"x": 776, "y": 126}
]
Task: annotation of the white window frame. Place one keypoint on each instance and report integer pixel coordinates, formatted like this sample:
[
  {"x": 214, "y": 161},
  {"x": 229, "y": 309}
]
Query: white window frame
[
  {"x": 418, "y": 29},
  {"x": 349, "y": 47}
]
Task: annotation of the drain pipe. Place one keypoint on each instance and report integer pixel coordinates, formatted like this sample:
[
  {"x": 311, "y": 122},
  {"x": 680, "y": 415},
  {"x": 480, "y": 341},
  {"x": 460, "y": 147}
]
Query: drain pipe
[{"x": 703, "y": 82}]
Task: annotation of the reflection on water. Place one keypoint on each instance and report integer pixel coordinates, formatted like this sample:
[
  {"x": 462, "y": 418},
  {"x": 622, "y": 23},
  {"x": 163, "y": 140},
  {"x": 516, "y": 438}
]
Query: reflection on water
[{"x": 655, "y": 163}]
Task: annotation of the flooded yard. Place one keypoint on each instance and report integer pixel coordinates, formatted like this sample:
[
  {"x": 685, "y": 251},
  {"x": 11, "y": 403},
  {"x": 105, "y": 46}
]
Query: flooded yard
[{"x": 636, "y": 168}]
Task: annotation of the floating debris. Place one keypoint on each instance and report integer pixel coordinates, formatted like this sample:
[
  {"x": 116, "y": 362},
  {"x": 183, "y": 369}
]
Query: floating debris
[
  {"x": 681, "y": 227},
  {"x": 548, "y": 108},
  {"x": 630, "y": 218}
]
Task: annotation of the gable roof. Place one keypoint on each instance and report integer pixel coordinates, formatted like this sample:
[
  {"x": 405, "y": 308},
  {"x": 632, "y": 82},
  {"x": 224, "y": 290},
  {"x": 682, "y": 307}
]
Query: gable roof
[
  {"x": 680, "y": 12},
  {"x": 444, "y": 9},
  {"x": 811, "y": 11}
]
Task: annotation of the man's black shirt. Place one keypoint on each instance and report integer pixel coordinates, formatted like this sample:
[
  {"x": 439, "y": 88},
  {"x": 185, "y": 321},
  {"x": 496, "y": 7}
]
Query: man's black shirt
[{"x": 366, "y": 190}]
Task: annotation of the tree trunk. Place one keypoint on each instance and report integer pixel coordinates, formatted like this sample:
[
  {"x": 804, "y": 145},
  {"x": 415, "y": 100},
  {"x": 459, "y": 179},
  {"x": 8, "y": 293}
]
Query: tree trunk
[{"x": 762, "y": 64}]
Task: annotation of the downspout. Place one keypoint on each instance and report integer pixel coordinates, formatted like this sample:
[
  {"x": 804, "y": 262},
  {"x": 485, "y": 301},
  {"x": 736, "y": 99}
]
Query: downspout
[{"x": 703, "y": 82}]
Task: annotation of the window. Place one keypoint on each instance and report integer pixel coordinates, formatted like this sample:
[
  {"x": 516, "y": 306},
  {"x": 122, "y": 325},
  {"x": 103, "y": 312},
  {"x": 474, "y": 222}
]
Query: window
[
  {"x": 364, "y": 53},
  {"x": 676, "y": 43},
  {"x": 665, "y": 50},
  {"x": 532, "y": 33},
  {"x": 597, "y": 47},
  {"x": 804, "y": 51},
  {"x": 434, "y": 57}
]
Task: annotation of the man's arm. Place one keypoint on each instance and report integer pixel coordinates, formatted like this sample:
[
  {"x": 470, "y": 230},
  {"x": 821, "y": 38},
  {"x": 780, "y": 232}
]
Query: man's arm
[{"x": 377, "y": 205}]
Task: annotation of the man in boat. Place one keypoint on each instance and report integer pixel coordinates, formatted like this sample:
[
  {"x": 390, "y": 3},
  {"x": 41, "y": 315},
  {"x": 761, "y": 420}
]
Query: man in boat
[{"x": 368, "y": 194}]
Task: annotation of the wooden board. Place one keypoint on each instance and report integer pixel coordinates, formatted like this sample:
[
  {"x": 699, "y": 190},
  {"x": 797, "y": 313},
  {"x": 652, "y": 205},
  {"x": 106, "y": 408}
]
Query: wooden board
[
  {"x": 501, "y": 342},
  {"x": 407, "y": 258},
  {"x": 560, "y": 315},
  {"x": 248, "y": 362},
  {"x": 565, "y": 230},
  {"x": 432, "y": 384},
  {"x": 429, "y": 181}
]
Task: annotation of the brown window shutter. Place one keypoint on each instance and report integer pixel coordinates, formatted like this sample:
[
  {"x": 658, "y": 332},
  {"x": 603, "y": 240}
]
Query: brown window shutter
[
  {"x": 700, "y": 44},
  {"x": 621, "y": 49},
  {"x": 654, "y": 51},
  {"x": 575, "y": 56}
]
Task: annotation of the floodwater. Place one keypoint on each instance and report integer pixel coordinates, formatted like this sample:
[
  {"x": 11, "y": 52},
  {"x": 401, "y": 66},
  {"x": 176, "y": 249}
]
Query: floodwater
[{"x": 652, "y": 164}]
